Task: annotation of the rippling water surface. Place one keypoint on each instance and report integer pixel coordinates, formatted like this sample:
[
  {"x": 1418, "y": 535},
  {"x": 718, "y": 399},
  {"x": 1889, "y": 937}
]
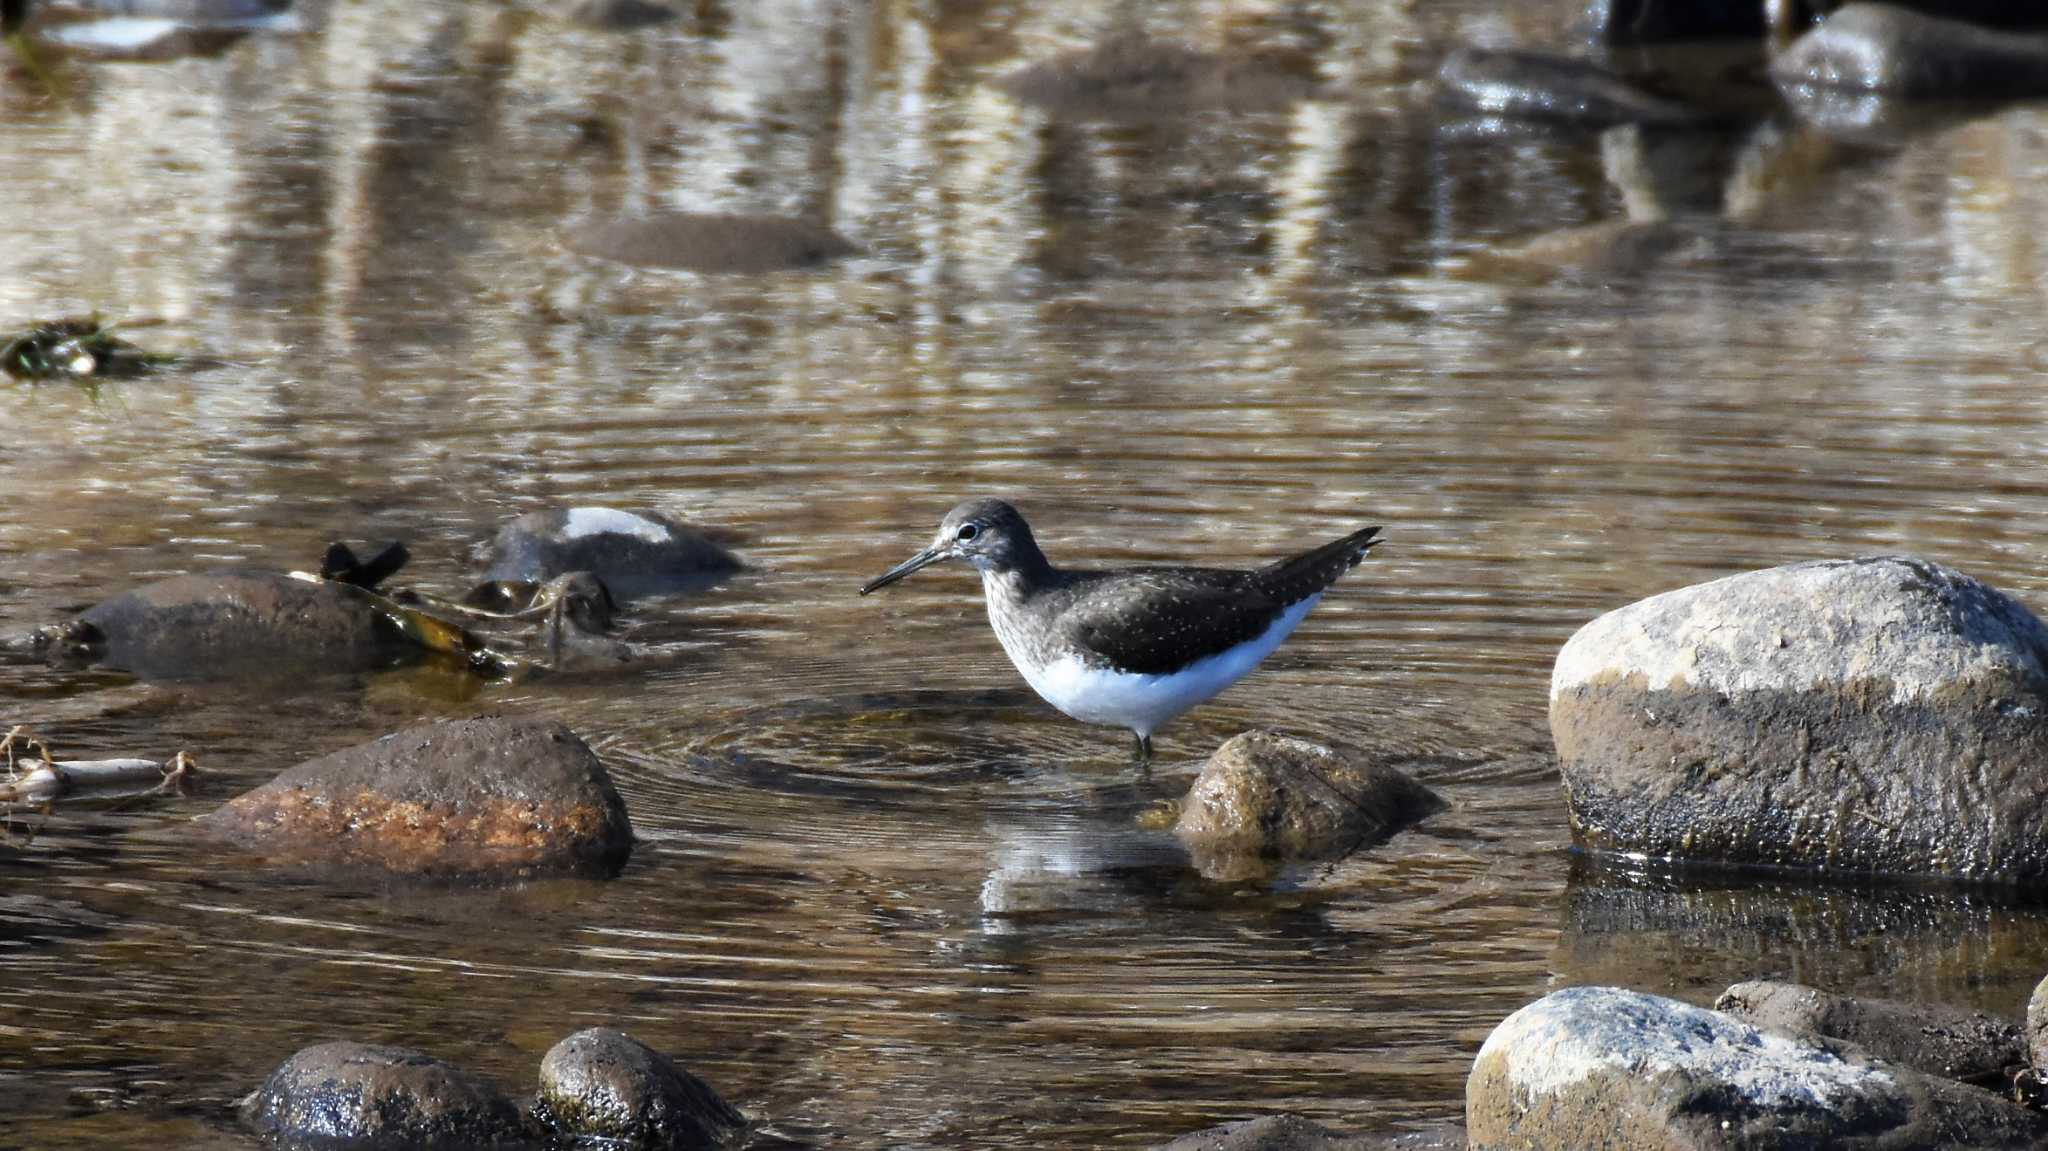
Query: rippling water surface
[{"x": 884, "y": 897}]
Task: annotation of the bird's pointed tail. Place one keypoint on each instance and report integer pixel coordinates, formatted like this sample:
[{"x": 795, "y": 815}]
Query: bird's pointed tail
[{"x": 1298, "y": 577}]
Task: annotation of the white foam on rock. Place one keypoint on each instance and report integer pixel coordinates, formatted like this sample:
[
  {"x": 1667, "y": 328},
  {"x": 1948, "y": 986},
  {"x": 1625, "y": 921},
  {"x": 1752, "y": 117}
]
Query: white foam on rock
[
  {"x": 1822, "y": 624},
  {"x": 581, "y": 522},
  {"x": 1575, "y": 1034}
]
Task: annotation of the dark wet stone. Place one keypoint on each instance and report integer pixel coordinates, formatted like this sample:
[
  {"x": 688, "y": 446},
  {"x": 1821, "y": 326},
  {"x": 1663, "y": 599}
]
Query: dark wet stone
[
  {"x": 1605, "y": 1067},
  {"x": 336, "y": 1096},
  {"x": 1969, "y": 1046},
  {"x": 343, "y": 564},
  {"x": 635, "y": 554},
  {"x": 74, "y": 349},
  {"x": 1538, "y": 85},
  {"x": 605, "y": 1084},
  {"x": 1294, "y": 1133},
  {"x": 1882, "y": 715},
  {"x": 235, "y": 624},
  {"x": 1664, "y": 21},
  {"x": 1991, "y": 13},
  {"x": 2037, "y": 1026},
  {"x": 1264, "y": 799},
  {"x": 488, "y": 797},
  {"x": 711, "y": 243},
  {"x": 1883, "y": 48},
  {"x": 1134, "y": 78},
  {"x": 618, "y": 15}
]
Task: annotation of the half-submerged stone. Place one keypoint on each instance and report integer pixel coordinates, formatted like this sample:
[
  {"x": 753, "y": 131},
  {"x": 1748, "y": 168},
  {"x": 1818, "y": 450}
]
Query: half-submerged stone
[
  {"x": 342, "y": 1096},
  {"x": 601, "y": 1084},
  {"x": 1882, "y": 715},
  {"x": 635, "y": 554},
  {"x": 1561, "y": 89},
  {"x": 1954, "y": 1043},
  {"x": 235, "y": 623},
  {"x": 1606, "y": 1067},
  {"x": 1265, "y": 799},
  {"x": 489, "y": 797},
  {"x": 1885, "y": 48},
  {"x": 695, "y": 242}
]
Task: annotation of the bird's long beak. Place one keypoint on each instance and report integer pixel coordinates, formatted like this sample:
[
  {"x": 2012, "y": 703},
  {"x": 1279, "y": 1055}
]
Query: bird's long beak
[{"x": 928, "y": 556}]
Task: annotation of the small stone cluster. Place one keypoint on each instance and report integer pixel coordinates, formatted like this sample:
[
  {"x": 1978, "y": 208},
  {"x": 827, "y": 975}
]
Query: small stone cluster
[{"x": 597, "y": 1086}]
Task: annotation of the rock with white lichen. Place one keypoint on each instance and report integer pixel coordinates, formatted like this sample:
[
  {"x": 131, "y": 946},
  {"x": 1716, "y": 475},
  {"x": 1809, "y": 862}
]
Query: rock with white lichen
[
  {"x": 1607, "y": 1067},
  {"x": 1880, "y": 715}
]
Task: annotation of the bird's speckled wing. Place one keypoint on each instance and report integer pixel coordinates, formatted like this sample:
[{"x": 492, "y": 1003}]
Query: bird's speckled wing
[
  {"x": 1155, "y": 620},
  {"x": 1160, "y": 619}
]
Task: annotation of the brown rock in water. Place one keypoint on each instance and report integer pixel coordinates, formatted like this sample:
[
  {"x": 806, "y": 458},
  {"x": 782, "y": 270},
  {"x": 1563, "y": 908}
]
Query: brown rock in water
[
  {"x": 1606, "y": 1067},
  {"x": 1879, "y": 715},
  {"x": 1265, "y": 798},
  {"x": 604, "y": 1085},
  {"x": 1134, "y": 78},
  {"x": 711, "y": 243},
  {"x": 1970, "y": 1046},
  {"x": 488, "y": 797},
  {"x": 346, "y": 1095},
  {"x": 236, "y": 623}
]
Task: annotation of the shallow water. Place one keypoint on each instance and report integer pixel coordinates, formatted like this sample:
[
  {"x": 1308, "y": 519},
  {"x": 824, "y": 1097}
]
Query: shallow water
[{"x": 885, "y": 898}]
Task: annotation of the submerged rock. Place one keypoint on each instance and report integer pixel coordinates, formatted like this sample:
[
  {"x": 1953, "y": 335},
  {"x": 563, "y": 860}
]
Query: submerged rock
[
  {"x": 1885, "y": 48},
  {"x": 1135, "y": 78},
  {"x": 489, "y": 797},
  {"x": 618, "y": 15},
  {"x": 357, "y": 1095},
  {"x": 1605, "y": 1067},
  {"x": 711, "y": 243},
  {"x": 1970, "y": 1046},
  {"x": 1294, "y": 1133},
  {"x": 635, "y": 554},
  {"x": 1876, "y": 715},
  {"x": 235, "y": 623},
  {"x": 601, "y": 1084},
  {"x": 1264, "y": 799},
  {"x": 1536, "y": 85}
]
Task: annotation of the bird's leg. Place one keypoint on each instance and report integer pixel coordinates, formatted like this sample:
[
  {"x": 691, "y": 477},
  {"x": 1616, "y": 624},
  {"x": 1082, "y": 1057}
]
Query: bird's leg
[{"x": 1144, "y": 752}]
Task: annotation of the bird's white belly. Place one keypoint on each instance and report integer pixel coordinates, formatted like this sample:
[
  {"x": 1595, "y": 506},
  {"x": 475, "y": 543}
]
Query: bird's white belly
[{"x": 1143, "y": 702}]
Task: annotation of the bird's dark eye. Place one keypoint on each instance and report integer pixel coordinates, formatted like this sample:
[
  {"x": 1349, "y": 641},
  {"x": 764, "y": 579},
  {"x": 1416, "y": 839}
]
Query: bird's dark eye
[{"x": 968, "y": 532}]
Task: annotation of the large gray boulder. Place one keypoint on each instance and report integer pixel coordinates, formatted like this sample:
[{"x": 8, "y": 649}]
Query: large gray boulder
[
  {"x": 342, "y": 1096},
  {"x": 1954, "y": 1043},
  {"x": 1606, "y": 1067},
  {"x": 1265, "y": 799},
  {"x": 604, "y": 1085},
  {"x": 1885, "y": 48},
  {"x": 1873, "y": 715},
  {"x": 489, "y": 797}
]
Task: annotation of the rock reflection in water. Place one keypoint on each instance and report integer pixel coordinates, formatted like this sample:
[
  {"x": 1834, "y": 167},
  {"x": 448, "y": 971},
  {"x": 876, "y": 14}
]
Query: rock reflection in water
[{"x": 1694, "y": 933}]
